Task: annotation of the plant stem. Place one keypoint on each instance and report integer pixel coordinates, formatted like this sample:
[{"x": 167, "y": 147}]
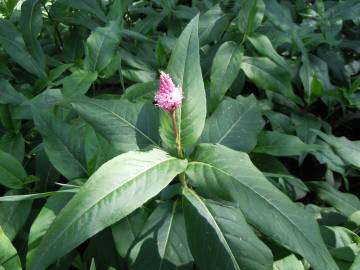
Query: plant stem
[
  {"x": 177, "y": 135},
  {"x": 178, "y": 146}
]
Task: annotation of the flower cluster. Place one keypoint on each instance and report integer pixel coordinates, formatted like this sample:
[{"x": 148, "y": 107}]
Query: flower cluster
[{"x": 168, "y": 97}]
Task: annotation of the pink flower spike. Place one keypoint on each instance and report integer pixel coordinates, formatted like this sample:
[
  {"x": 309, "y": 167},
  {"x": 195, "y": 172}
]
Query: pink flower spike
[{"x": 168, "y": 97}]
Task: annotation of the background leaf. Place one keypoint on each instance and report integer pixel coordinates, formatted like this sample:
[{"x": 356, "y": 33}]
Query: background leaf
[
  {"x": 234, "y": 124},
  {"x": 101, "y": 46},
  {"x": 224, "y": 70}
]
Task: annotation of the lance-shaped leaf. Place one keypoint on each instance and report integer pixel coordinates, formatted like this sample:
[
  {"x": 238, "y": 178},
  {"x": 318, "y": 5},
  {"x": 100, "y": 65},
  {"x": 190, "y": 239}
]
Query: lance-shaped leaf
[
  {"x": 162, "y": 244},
  {"x": 13, "y": 43},
  {"x": 346, "y": 149},
  {"x": 346, "y": 203},
  {"x": 220, "y": 172},
  {"x": 220, "y": 238},
  {"x": 115, "y": 190},
  {"x": 279, "y": 144},
  {"x": 101, "y": 46},
  {"x": 9, "y": 95},
  {"x": 44, "y": 220},
  {"x": 12, "y": 174},
  {"x": 269, "y": 76},
  {"x": 224, "y": 70},
  {"x": 9, "y": 258},
  {"x": 184, "y": 67},
  {"x": 250, "y": 15},
  {"x": 13, "y": 215},
  {"x": 126, "y": 125},
  {"x": 127, "y": 230},
  {"x": 90, "y": 6},
  {"x": 263, "y": 45},
  {"x": 31, "y": 24},
  {"x": 234, "y": 124},
  {"x": 63, "y": 145}
]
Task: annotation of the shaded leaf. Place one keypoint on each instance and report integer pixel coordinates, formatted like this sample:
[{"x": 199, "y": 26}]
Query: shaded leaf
[
  {"x": 127, "y": 126},
  {"x": 234, "y": 124},
  {"x": 224, "y": 70},
  {"x": 219, "y": 236},
  {"x": 280, "y": 144},
  {"x": 226, "y": 174},
  {"x": 162, "y": 244},
  {"x": 12, "y": 173},
  {"x": 346, "y": 203},
  {"x": 101, "y": 46}
]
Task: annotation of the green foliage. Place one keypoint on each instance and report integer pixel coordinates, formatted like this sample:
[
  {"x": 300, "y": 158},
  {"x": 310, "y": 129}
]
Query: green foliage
[{"x": 267, "y": 177}]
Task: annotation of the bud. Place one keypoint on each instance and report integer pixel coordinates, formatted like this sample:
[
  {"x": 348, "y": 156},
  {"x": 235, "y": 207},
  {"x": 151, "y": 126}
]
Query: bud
[{"x": 168, "y": 97}]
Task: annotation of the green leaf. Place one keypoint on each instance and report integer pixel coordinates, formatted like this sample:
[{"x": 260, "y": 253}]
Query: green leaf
[
  {"x": 162, "y": 244},
  {"x": 184, "y": 67},
  {"x": 288, "y": 263},
  {"x": 7, "y": 7},
  {"x": 115, "y": 190},
  {"x": 127, "y": 126},
  {"x": 9, "y": 95},
  {"x": 220, "y": 238},
  {"x": 78, "y": 83},
  {"x": 13, "y": 144},
  {"x": 9, "y": 258},
  {"x": 326, "y": 155},
  {"x": 268, "y": 76},
  {"x": 64, "y": 144},
  {"x": 222, "y": 173},
  {"x": 12, "y": 173},
  {"x": 234, "y": 124},
  {"x": 101, "y": 46},
  {"x": 212, "y": 24},
  {"x": 31, "y": 24},
  {"x": 356, "y": 264},
  {"x": 44, "y": 220},
  {"x": 346, "y": 203},
  {"x": 13, "y": 215},
  {"x": 250, "y": 16},
  {"x": 14, "y": 45},
  {"x": 279, "y": 15},
  {"x": 263, "y": 45},
  {"x": 279, "y": 144},
  {"x": 90, "y": 6},
  {"x": 347, "y": 10},
  {"x": 141, "y": 91},
  {"x": 127, "y": 230},
  {"x": 346, "y": 149},
  {"x": 224, "y": 70},
  {"x": 33, "y": 196}
]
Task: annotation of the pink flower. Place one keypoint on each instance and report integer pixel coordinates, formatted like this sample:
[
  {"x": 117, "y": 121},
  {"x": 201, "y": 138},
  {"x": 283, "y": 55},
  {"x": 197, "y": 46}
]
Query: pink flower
[{"x": 168, "y": 97}]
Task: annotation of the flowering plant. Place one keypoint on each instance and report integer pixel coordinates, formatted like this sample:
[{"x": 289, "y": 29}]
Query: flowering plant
[{"x": 107, "y": 164}]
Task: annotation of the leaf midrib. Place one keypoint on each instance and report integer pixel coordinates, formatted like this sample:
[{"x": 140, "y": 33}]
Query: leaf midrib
[
  {"x": 102, "y": 198},
  {"x": 125, "y": 121},
  {"x": 235, "y": 123},
  {"x": 264, "y": 198},
  {"x": 217, "y": 228},
  {"x": 168, "y": 234}
]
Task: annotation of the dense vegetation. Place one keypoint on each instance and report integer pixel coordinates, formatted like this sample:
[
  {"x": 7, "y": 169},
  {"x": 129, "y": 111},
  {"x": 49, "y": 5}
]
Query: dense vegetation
[{"x": 265, "y": 169}]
